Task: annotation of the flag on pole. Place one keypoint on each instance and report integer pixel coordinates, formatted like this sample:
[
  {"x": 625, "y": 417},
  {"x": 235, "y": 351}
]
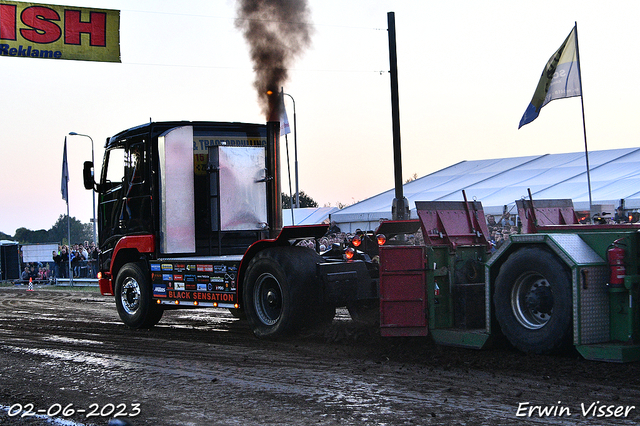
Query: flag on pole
[
  {"x": 560, "y": 78},
  {"x": 65, "y": 174},
  {"x": 284, "y": 121}
]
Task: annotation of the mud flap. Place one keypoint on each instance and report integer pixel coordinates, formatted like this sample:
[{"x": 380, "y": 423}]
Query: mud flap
[{"x": 345, "y": 282}]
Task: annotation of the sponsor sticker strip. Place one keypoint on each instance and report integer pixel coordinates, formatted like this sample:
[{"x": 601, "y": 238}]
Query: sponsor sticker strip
[{"x": 194, "y": 281}]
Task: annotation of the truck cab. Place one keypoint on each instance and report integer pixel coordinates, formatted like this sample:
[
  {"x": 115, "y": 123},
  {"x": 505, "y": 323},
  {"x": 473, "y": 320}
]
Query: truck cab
[
  {"x": 190, "y": 215},
  {"x": 211, "y": 199}
]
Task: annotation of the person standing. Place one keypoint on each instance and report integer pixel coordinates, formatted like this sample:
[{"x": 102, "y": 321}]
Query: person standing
[
  {"x": 84, "y": 261},
  {"x": 95, "y": 252},
  {"x": 64, "y": 265},
  {"x": 57, "y": 261}
]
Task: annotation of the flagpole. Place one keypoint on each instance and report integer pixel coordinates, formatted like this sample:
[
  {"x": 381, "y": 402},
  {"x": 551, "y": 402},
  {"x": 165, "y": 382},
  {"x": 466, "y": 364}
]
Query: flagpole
[
  {"x": 70, "y": 271},
  {"x": 584, "y": 126},
  {"x": 65, "y": 196}
]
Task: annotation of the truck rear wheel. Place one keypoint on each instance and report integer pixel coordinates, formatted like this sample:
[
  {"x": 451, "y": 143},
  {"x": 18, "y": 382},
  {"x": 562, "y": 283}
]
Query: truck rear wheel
[
  {"x": 134, "y": 299},
  {"x": 533, "y": 301},
  {"x": 278, "y": 290}
]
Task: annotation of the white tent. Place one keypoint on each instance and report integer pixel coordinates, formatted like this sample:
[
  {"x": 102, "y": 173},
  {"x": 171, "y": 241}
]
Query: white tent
[
  {"x": 615, "y": 175},
  {"x": 308, "y": 215}
]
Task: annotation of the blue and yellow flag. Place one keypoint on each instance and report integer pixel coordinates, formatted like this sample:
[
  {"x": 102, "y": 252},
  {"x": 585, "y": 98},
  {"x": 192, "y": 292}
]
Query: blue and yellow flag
[
  {"x": 560, "y": 78},
  {"x": 284, "y": 120},
  {"x": 64, "y": 187}
]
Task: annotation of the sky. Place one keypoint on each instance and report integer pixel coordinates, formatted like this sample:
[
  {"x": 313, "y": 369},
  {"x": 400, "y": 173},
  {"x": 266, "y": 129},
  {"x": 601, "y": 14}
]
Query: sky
[{"x": 467, "y": 71}]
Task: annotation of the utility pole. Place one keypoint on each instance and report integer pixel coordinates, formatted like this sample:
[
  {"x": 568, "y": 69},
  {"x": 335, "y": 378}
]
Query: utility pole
[{"x": 400, "y": 208}]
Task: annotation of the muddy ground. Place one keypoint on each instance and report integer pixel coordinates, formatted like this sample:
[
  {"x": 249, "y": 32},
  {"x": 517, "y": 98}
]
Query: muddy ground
[{"x": 62, "y": 349}]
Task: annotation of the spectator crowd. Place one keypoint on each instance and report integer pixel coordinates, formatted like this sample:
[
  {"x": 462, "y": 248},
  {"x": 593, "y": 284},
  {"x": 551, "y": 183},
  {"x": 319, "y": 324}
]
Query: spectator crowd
[
  {"x": 500, "y": 230},
  {"x": 82, "y": 257}
]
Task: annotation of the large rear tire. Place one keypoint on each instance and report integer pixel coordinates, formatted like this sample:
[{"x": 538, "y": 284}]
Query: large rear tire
[
  {"x": 134, "y": 299},
  {"x": 280, "y": 291},
  {"x": 533, "y": 301}
]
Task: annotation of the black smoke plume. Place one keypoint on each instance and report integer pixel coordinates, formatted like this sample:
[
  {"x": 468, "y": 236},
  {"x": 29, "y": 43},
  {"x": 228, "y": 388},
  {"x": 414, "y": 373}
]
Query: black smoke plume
[{"x": 277, "y": 32}]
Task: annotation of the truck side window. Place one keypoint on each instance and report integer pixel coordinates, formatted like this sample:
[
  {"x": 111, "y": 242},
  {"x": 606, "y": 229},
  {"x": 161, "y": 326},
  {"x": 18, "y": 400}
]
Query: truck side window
[
  {"x": 134, "y": 163},
  {"x": 136, "y": 213},
  {"x": 114, "y": 172}
]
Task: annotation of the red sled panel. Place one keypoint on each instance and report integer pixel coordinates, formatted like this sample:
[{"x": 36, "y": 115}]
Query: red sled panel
[{"x": 403, "y": 297}]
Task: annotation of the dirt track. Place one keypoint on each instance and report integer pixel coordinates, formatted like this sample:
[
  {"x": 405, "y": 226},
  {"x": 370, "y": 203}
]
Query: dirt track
[{"x": 204, "y": 367}]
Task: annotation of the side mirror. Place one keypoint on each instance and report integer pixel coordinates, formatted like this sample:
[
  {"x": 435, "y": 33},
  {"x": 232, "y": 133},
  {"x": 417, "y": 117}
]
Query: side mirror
[{"x": 87, "y": 175}]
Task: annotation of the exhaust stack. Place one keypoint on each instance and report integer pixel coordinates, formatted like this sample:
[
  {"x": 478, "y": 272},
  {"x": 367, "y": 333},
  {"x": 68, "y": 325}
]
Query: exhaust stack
[{"x": 274, "y": 192}]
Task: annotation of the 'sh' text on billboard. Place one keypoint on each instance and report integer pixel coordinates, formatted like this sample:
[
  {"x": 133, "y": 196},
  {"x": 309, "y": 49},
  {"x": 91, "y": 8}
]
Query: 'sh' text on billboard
[{"x": 59, "y": 32}]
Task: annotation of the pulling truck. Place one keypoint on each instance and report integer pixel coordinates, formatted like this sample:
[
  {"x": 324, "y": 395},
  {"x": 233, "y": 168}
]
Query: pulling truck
[
  {"x": 190, "y": 215},
  {"x": 555, "y": 285}
]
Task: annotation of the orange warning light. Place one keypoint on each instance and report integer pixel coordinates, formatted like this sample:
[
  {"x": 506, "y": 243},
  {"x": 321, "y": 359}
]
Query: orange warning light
[{"x": 349, "y": 253}]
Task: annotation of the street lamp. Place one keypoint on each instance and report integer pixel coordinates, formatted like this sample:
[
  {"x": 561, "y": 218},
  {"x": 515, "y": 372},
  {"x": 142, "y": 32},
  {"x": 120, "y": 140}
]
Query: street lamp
[
  {"x": 93, "y": 192},
  {"x": 295, "y": 150}
]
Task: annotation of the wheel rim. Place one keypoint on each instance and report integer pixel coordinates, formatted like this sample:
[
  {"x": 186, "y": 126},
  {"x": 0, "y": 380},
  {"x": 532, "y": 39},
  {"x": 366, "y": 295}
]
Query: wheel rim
[
  {"x": 130, "y": 295},
  {"x": 267, "y": 299},
  {"x": 532, "y": 300}
]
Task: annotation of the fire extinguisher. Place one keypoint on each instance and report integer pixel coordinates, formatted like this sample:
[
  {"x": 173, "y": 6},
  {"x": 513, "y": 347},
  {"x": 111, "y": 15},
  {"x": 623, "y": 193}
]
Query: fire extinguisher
[{"x": 615, "y": 256}]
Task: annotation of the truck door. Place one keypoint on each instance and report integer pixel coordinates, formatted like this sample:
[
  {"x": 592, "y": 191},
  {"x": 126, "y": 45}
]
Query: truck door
[
  {"x": 136, "y": 209},
  {"x": 125, "y": 200},
  {"x": 111, "y": 193}
]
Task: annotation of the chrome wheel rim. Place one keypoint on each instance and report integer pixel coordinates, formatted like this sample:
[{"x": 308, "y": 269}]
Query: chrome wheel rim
[
  {"x": 130, "y": 295},
  {"x": 532, "y": 300}
]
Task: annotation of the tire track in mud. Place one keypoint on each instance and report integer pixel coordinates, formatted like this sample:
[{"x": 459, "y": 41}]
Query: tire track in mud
[
  {"x": 320, "y": 387},
  {"x": 204, "y": 367}
]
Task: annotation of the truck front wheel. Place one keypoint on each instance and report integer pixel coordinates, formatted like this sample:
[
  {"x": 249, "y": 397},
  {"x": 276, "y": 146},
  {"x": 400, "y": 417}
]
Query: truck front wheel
[
  {"x": 533, "y": 301},
  {"x": 134, "y": 299}
]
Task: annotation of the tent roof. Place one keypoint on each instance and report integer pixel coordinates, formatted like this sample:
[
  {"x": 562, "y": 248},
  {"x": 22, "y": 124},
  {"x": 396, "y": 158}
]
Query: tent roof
[
  {"x": 307, "y": 215},
  {"x": 615, "y": 175}
]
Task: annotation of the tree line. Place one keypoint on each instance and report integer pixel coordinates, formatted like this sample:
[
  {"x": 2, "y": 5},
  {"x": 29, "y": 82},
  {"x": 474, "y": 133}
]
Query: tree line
[
  {"x": 80, "y": 232},
  {"x": 305, "y": 200}
]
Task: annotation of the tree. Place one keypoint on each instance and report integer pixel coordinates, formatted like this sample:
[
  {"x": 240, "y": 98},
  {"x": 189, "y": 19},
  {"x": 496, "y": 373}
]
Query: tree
[
  {"x": 412, "y": 178},
  {"x": 305, "y": 200},
  {"x": 24, "y": 236},
  {"x": 4, "y": 236},
  {"x": 80, "y": 232}
]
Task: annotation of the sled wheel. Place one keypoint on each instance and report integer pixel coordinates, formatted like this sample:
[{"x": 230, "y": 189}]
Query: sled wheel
[
  {"x": 134, "y": 299},
  {"x": 533, "y": 301}
]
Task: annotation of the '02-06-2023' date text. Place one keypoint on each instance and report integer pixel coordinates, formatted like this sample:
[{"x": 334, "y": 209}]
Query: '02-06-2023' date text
[{"x": 94, "y": 410}]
